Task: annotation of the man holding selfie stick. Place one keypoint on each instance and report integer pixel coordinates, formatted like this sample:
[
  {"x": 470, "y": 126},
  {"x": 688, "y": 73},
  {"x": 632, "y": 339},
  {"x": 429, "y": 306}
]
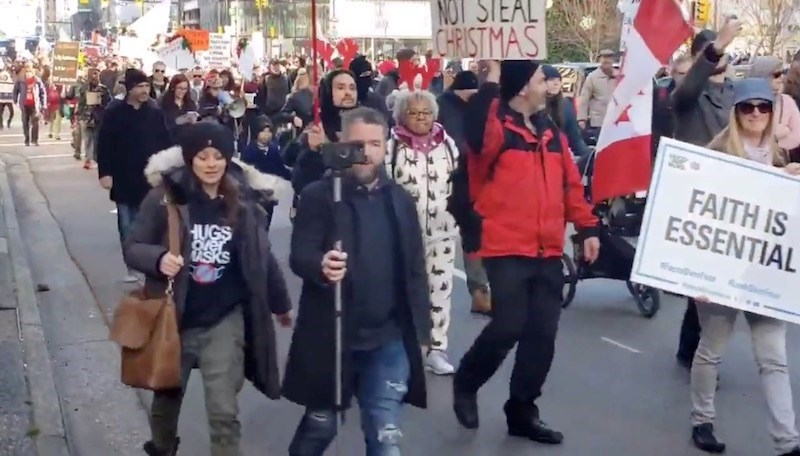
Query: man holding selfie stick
[{"x": 357, "y": 232}]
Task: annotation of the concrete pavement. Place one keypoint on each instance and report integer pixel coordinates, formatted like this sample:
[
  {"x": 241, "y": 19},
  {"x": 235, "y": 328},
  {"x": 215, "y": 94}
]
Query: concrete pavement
[{"x": 614, "y": 389}]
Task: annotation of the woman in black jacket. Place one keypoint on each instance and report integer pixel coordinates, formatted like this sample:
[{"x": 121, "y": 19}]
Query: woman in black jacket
[
  {"x": 176, "y": 103},
  {"x": 226, "y": 282}
]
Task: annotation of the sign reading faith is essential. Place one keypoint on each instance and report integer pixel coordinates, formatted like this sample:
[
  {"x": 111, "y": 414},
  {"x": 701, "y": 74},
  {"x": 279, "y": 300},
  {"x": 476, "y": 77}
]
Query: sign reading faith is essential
[
  {"x": 722, "y": 227},
  {"x": 489, "y": 29}
]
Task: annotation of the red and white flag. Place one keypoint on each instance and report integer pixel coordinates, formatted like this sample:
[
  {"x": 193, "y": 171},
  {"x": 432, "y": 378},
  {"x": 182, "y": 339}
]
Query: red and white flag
[{"x": 622, "y": 164}]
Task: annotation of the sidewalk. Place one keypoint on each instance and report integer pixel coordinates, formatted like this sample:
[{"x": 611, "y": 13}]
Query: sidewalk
[{"x": 30, "y": 414}]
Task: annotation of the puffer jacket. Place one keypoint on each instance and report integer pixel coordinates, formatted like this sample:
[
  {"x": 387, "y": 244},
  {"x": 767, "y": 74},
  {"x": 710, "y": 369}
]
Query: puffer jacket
[
  {"x": 426, "y": 176},
  {"x": 525, "y": 186},
  {"x": 266, "y": 285}
]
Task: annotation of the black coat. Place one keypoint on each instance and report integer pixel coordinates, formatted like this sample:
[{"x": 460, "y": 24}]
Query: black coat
[
  {"x": 126, "y": 140},
  {"x": 311, "y": 365},
  {"x": 266, "y": 285}
]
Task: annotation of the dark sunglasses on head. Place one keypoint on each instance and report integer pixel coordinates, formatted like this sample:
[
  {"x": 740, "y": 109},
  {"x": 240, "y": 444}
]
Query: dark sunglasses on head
[{"x": 749, "y": 108}]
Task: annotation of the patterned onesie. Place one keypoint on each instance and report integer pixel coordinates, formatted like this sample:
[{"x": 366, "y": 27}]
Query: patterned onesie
[{"x": 426, "y": 177}]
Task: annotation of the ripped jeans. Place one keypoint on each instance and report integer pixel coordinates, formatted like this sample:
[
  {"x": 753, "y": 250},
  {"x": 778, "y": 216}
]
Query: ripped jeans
[{"x": 381, "y": 376}]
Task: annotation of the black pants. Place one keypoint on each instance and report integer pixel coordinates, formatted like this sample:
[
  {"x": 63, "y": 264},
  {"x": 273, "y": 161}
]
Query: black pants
[
  {"x": 30, "y": 124},
  {"x": 526, "y": 306},
  {"x": 3, "y": 107},
  {"x": 690, "y": 333}
]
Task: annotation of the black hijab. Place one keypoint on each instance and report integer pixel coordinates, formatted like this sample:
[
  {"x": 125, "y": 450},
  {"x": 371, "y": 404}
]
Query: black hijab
[{"x": 362, "y": 70}]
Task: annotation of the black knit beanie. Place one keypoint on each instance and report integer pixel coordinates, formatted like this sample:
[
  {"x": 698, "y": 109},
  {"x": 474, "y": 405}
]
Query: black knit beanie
[
  {"x": 134, "y": 77},
  {"x": 196, "y": 137},
  {"x": 464, "y": 80},
  {"x": 514, "y": 76}
]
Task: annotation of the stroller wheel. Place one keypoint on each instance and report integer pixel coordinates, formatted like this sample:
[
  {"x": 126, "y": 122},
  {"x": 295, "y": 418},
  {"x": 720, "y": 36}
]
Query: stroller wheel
[
  {"x": 648, "y": 299},
  {"x": 570, "y": 280}
]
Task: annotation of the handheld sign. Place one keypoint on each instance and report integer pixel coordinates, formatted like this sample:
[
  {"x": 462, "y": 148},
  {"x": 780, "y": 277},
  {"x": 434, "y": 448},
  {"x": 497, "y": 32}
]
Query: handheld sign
[
  {"x": 489, "y": 29},
  {"x": 722, "y": 227}
]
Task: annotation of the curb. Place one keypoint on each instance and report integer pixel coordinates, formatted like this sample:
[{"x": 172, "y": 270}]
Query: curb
[{"x": 47, "y": 416}]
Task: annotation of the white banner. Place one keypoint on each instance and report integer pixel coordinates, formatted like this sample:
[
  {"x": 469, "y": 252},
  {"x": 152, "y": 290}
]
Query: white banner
[
  {"x": 489, "y": 29},
  {"x": 723, "y": 227}
]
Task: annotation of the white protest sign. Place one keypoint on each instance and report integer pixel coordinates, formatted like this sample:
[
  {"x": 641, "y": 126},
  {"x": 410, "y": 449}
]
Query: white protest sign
[
  {"x": 218, "y": 55},
  {"x": 175, "y": 57},
  {"x": 489, "y": 29},
  {"x": 723, "y": 227}
]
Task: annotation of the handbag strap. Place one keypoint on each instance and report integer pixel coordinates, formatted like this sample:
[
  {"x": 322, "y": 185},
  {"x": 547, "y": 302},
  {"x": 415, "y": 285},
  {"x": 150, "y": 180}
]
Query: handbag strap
[{"x": 174, "y": 237}]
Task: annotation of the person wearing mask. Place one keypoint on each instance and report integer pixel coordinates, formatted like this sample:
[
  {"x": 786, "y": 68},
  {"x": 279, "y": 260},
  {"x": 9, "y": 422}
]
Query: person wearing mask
[
  {"x": 386, "y": 308},
  {"x": 749, "y": 135},
  {"x": 337, "y": 94},
  {"x": 178, "y": 105},
  {"x": 227, "y": 283},
  {"x": 521, "y": 253},
  {"x": 93, "y": 99},
  {"x": 273, "y": 92},
  {"x": 787, "y": 114},
  {"x": 421, "y": 158},
  {"x": 452, "y": 109},
  {"x": 701, "y": 106},
  {"x": 31, "y": 98},
  {"x": 132, "y": 131},
  {"x": 596, "y": 92},
  {"x": 265, "y": 155},
  {"x": 562, "y": 112},
  {"x": 159, "y": 82},
  {"x": 362, "y": 70},
  {"x": 6, "y": 97},
  {"x": 663, "y": 122}
]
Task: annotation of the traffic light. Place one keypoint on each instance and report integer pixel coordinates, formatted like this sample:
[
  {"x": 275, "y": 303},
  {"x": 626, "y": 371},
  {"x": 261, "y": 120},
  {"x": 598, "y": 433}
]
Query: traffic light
[
  {"x": 702, "y": 12},
  {"x": 272, "y": 32},
  {"x": 262, "y": 4}
]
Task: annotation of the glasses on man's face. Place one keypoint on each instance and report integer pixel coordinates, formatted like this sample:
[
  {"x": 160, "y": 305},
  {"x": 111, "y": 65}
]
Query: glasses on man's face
[
  {"x": 158, "y": 70},
  {"x": 417, "y": 114}
]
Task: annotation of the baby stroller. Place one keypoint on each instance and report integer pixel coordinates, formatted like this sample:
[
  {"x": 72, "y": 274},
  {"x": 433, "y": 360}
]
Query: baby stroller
[{"x": 620, "y": 219}]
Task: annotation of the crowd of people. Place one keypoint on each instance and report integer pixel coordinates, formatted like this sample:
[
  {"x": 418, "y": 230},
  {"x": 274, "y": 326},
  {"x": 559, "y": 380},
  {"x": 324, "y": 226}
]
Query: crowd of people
[{"x": 446, "y": 169}]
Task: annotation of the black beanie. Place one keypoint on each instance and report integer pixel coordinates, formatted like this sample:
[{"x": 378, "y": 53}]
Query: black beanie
[
  {"x": 134, "y": 77},
  {"x": 514, "y": 76},
  {"x": 196, "y": 137},
  {"x": 360, "y": 65},
  {"x": 701, "y": 40},
  {"x": 262, "y": 123},
  {"x": 464, "y": 80}
]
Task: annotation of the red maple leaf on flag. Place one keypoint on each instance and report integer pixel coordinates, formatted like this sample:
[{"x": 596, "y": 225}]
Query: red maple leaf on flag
[
  {"x": 348, "y": 50},
  {"x": 408, "y": 72},
  {"x": 624, "y": 116},
  {"x": 325, "y": 51}
]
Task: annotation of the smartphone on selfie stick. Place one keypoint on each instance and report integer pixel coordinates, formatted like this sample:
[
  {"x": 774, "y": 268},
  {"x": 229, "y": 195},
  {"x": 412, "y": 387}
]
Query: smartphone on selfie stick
[{"x": 339, "y": 157}]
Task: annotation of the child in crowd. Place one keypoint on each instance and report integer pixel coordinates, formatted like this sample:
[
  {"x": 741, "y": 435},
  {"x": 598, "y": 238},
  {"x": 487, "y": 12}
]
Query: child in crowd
[{"x": 265, "y": 154}]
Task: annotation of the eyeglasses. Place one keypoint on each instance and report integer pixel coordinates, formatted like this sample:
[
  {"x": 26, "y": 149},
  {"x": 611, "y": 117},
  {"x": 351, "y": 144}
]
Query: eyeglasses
[
  {"x": 749, "y": 108},
  {"x": 197, "y": 76},
  {"x": 157, "y": 70},
  {"x": 419, "y": 113}
]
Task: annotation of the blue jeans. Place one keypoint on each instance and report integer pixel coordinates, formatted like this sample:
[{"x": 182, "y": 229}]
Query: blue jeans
[
  {"x": 126, "y": 215},
  {"x": 381, "y": 376}
]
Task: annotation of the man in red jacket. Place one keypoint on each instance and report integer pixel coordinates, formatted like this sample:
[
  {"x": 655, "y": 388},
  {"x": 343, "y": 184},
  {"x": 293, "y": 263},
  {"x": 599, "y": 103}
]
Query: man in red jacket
[{"x": 525, "y": 187}]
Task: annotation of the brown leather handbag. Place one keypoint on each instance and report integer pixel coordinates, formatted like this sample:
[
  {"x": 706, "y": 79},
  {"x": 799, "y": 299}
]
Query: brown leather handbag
[{"x": 147, "y": 330}]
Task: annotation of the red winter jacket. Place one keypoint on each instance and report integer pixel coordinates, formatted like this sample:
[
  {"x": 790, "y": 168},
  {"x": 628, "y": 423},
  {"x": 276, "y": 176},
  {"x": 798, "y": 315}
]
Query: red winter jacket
[{"x": 525, "y": 188}]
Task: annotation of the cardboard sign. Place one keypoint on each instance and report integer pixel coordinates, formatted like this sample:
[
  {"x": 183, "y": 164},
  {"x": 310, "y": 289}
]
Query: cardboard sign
[
  {"x": 729, "y": 239},
  {"x": 65, "y": 62},
  {"x": 198, "y": 39},
  {"x": 92, "y": 98},
  {"x": 489, "y": 29},
  {"x": 6, "y": 88}
]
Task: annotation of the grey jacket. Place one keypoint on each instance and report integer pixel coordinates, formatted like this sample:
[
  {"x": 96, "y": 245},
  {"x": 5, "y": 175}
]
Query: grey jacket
[
  {"x": 701, "y": 108},
  {"x": 265, "y": 282}
]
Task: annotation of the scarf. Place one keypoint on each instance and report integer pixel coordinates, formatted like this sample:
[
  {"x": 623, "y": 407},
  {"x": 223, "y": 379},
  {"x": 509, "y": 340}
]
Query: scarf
[{"x": 421, "y": 144}]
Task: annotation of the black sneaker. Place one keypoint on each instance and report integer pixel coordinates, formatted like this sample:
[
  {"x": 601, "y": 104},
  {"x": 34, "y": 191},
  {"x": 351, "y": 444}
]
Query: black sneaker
[
  {"x": 465, "y": 405},
  {"x": 523, "y": 421},
  {"x": 704, "y": 439},
  {"x": 152, "y": 450}
]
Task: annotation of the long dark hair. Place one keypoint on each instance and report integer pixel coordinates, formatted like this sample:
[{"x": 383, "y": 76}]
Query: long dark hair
[{"x": 168, "y": 100}]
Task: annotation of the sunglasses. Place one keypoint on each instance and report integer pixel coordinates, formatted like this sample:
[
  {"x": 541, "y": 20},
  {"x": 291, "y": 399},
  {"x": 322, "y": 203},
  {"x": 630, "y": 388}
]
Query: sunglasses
[
  {"x": 158, "y": 71},
  {"x": 749, "y": 108}
]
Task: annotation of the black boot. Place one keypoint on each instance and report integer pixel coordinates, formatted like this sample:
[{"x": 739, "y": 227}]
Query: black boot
[
  {"x": 795, "y": 452},
  {"x": 703, "y": 438},
  {"x": 465, "y": 404},
  {"x": 152, "y": 450},
  {"x": 523, "y": 421}
]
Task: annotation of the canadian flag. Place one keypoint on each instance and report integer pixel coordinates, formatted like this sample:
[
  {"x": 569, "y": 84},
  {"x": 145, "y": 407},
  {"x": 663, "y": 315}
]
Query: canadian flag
[{"x": 622, "y": 162}]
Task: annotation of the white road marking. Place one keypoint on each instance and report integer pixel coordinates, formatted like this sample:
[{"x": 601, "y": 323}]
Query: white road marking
[
  {"x": 12, "y": 135},
  {"x": 619, "y": 345},
  {"x": 40, "y": 157},
  {"x": 460, "y": 274},
  {"x": 47, "y": 143}
]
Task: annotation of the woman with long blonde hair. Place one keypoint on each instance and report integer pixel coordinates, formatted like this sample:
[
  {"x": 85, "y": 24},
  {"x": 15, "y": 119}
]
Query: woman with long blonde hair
[{"x": 749, "y": 135}]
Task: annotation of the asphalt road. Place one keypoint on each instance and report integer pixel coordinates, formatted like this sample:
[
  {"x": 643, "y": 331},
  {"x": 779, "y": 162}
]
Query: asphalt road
[{"x": 615, "y": 388}]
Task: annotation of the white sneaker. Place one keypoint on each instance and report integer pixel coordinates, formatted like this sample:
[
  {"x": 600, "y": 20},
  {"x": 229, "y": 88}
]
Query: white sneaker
[
  {"x": 437, "y": 363},
  {"x": 131, "y": 277}
]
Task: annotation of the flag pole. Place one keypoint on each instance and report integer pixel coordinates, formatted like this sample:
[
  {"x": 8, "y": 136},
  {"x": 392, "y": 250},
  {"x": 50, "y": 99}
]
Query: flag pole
[{"x": 314, "y": 58}]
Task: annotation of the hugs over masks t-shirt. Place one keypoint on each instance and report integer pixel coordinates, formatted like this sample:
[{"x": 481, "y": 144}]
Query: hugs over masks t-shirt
[{"x": 216, "y": 285}]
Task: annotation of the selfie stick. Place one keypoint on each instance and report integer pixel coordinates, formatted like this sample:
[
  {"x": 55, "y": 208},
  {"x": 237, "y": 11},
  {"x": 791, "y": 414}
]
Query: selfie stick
[{"x": 337, "y": 306}]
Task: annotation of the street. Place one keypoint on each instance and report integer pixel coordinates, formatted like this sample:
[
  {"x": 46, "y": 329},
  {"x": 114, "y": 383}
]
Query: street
[{"x": 615, "y": 388}]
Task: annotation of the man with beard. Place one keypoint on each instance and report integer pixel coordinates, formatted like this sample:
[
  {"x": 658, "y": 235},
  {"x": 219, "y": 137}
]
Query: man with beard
[
  {"x": 702, "y": 104},
  {"x": 337, "y": 94},
  {"x": 274, "y": 90},
  {"x": 365, "y": 75},
  {"x": 386, "y": 309},
  {"x": 513, "y": 145}
]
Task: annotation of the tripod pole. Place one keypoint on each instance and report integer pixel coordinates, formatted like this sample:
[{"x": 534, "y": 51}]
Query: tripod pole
[{"x": 337, "y": 299}]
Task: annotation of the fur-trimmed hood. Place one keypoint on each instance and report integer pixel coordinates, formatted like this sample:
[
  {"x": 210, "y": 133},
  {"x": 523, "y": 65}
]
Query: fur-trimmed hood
[{"x": 171, "y": 160}]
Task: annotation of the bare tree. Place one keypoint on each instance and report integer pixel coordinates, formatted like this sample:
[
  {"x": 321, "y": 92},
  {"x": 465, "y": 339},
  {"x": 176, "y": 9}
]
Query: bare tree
[
  {"x": 767, "y": 22},
  {"x": 589, "y": 25}
]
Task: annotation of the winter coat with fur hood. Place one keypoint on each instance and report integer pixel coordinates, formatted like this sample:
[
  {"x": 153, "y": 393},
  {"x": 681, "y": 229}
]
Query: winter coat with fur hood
[{"x": 266, "y": 286}]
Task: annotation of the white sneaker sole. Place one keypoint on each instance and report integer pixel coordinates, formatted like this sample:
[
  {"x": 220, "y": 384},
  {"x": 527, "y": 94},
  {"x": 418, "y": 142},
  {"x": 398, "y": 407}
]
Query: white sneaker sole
[{"x": 443, "y": 373}]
